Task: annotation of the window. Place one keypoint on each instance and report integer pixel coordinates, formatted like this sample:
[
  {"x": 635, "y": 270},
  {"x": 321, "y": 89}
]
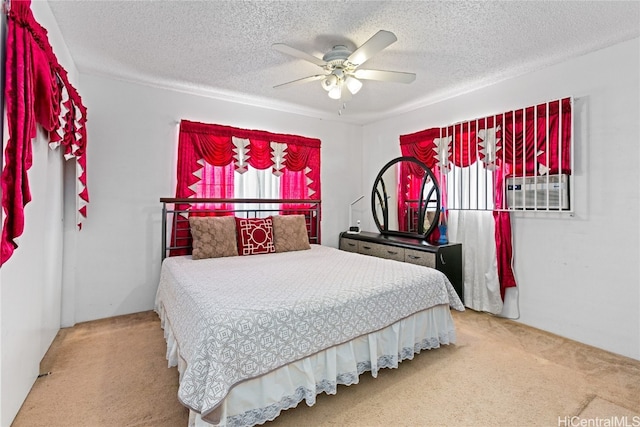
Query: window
[
  {"x": 223, "y": 162},
  {"x": 520, "y": 160},
  {"x": 513, "y": 161}
]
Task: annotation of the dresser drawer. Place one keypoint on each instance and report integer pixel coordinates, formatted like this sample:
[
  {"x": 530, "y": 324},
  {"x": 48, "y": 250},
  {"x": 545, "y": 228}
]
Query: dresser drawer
[
  {"x": 349, "y": 245},
  {"x": 445, "y": 258},
  {"x": 427, "y": 259},
  {"x": 381, "y": 251}
]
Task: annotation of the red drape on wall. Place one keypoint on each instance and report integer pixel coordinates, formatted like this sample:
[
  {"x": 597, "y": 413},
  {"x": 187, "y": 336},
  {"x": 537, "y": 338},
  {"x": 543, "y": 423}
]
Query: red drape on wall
[
  {"x": 524, "y": 147},
  {"x": 37, "y": 92},
  {"x": 218, "y": 145}
]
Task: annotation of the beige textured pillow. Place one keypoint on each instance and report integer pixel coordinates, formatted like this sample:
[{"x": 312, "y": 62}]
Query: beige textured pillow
[
  {"x": 213, "y": 237},
  {"x": 290, "y": 233}
]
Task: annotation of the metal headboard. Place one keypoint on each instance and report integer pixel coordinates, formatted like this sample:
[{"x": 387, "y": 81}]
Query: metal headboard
[{"x": 175, "y": 216}]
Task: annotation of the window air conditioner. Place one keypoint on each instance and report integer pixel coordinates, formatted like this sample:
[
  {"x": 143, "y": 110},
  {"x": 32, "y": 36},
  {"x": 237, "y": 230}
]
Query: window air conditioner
[{"x": 538, "y": 192}]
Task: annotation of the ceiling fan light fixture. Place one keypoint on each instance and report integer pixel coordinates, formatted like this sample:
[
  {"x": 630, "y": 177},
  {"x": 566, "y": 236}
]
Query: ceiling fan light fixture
[
  {"x": 354, "y": 85},
  {"x": 335, "y": 92},
  {"x": 330, "y": 82},
  {"x": 340, "y": 66}
]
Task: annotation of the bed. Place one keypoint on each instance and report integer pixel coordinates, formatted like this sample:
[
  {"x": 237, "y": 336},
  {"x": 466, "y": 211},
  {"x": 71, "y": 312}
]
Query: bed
[{"x": 255, "y": 334}]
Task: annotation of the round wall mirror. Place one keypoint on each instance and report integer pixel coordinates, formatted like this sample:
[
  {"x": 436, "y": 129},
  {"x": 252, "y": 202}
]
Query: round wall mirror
[{"x": 405, "y": 199}]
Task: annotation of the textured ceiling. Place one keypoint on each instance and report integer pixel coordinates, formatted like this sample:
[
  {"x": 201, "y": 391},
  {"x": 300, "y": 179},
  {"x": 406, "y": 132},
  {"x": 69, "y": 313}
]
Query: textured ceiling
[{"x": 223, "y": 48}]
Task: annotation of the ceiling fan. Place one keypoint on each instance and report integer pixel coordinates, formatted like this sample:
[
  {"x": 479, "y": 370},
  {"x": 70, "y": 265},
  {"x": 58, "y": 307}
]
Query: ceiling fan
[{"x": 341, "y": 66}]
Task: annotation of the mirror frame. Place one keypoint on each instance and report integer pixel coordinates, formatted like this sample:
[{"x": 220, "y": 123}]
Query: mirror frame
[{"x": 383, "y": 200}]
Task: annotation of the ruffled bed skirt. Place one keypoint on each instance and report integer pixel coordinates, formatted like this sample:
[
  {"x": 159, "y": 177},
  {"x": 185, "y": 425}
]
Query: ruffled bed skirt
[{"x": 261, "y": 399}]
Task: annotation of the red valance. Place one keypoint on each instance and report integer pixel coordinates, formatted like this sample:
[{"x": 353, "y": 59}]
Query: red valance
[
  {"x": 228, "y": 131},
  {"x": 526, "y": 139},
  {"x": 221, "y": 145},
  {"x": 37, "y": 92},
  {"x": 420, "y": 145}
]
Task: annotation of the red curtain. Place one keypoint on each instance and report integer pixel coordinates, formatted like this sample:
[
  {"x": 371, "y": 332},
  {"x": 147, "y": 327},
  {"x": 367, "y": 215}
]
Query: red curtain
[
  {"x": 216, "y": 182},
  {"x": 502, "y": 222},
  {"x": 421, "y": 146},
  {"x": 418, "y": 145},
  {"x": 37, "y": 92},
  {"x": 301, "y": 177},
  {"x": 409, "y": 180},
  {"x": 218, "y": 145},
  {"x": 530, "y": 141},
  {"x": 531, "y": 123},
  {"x": 214, "y": 144},
  {"x": 464, "y": 151}
]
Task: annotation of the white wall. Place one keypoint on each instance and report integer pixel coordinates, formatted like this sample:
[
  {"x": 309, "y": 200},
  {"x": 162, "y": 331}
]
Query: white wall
[
  {"x": 31, "y": 280},
  {"x": 578, "y": 276},
  {"x": 132, "y": 142}
]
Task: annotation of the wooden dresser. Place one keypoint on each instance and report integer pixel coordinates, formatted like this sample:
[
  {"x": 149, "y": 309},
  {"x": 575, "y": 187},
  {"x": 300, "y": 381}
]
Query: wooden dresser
[{"x": 446, "y": 258}]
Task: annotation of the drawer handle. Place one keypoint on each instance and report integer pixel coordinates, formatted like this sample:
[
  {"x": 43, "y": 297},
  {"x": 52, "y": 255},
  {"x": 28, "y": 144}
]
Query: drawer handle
[
  {"x": 351, "y": 244},
  {"x": 414, "y": 257},
  {"x": 442, "y": 261},
  {"x": 367, "y": 247},
  {"x": 392, "y": 253}
]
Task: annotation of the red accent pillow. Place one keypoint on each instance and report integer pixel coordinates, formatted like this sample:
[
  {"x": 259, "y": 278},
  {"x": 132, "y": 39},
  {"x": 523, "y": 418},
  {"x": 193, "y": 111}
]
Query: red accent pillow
[{"x": 255, "y": 236}]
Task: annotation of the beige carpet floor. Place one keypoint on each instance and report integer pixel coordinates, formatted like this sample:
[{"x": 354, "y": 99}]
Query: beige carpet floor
[{"x": 113, "y": 372}]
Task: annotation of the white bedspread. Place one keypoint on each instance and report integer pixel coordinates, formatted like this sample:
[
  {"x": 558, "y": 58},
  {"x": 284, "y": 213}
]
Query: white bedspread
[{"x": 239, "y": 317}]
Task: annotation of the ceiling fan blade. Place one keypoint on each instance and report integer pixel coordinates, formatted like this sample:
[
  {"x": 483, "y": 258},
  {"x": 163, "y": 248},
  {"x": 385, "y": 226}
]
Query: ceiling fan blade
[
  {"x": 375, "y": 44},
  {"x": 302, "y": 80},
  {"x": 385, "y": 76},
  {"x": 281, "y": 47}
]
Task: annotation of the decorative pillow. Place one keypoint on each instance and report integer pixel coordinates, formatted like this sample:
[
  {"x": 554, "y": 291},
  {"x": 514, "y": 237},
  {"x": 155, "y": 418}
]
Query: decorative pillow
[
  {"x": 255, "y": 235},
  {"x": 213, "y": 237},
  {"x": 290, "y": 233}
]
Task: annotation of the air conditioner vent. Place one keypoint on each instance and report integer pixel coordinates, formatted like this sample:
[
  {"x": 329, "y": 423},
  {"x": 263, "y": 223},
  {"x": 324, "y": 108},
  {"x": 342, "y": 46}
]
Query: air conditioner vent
[{"x": 538, "y": 192}]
